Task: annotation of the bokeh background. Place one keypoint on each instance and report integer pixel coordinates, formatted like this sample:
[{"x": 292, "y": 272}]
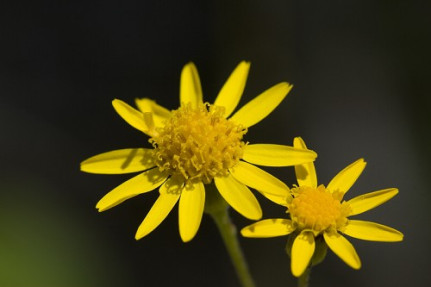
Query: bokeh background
[{"x": 360, "y": 71}]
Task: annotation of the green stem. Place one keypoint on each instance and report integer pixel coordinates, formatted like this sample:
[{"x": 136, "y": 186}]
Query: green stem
[
  {"x": 217, "y": 207},
  {"x": 304, "y": 279}
]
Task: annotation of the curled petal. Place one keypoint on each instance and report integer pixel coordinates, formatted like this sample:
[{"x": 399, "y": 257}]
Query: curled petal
[
  {"x": 305, "y": 173},
  {"x": 277, "y": 155},
  {"x": 144, "y": 182},
  {"x": 302, "y": 251},
  {"x": 347, "y": 177},
  {"x": 372, "y": 231},
  {"x": 160, "y": 114},
  {"x": 261, "y": 106},
  {"x": 370, "y": 200},
  {"x": 268, "y": 228},
  {"x": 190, "y": 86},
  {"x": 239, "y": 197},
  {"x": 190, "y": 211},
  {"x": 133, "y": 117},
  {"x": 343, "y": 248},
  {"x": 119, "y": 161},
  {"x": 231, "y": 92}
]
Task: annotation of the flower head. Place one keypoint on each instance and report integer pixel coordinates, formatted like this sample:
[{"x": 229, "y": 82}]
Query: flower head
[
  {"x": 197, "y": 144},
  {"x": 319, "y": 211}
]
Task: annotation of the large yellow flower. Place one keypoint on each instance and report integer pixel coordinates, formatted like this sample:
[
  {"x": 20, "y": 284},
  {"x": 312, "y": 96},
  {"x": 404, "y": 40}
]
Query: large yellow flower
[
  {"x": 194, "y": 145},
  {"x": 320, "y": 211}
]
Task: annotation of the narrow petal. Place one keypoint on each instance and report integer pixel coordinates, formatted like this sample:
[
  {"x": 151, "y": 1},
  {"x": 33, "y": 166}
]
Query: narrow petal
[
  {"x": 343, "y": 248},
  {"x": 261, "y": 106},
  {"x": 239, "y": 197},
  {"x": 144, "y": 182},
  {"x": 305, "y": 173},
  {"x": 372, "y": 231},
  {"x": 347, "y": 177},
  {"x": 119, "y": 161},
  {"x": 232, "y": 90},
  {"x": 268, "y": 228},
  {"x": 278, "y": 199},
  {"x": 169, "y": 194},
  {"x": 160, "y": 114},
  {"x": 259, "y": 179},
  {"x": 277, "y": 155},
  {"x": 190, "y": 211},
  {"x": 190, "y": 86},
  {"x": 302, "y": 251},
  {"x": 370, "y": 200},
  {"x": 133, "y": 117}
]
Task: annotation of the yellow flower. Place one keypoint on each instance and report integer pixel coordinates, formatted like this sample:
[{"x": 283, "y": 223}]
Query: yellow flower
[
  {"x": 320, "y": 211},
  {"x": 194, "y": 145}
]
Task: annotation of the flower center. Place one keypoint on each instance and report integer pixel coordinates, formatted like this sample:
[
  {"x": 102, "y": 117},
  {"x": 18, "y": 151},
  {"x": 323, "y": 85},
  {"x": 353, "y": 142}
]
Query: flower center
[
  {"x": 198, "y": 143},
  {"x": 317, "y": 209}
]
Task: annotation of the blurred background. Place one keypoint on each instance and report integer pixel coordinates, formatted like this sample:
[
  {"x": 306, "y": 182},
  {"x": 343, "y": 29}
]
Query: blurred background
[{"x": 361, "y": 89}]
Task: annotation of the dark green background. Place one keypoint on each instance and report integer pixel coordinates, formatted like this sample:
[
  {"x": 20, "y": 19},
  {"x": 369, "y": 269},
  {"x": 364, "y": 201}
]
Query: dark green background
[{"x": 361, "y": 89}]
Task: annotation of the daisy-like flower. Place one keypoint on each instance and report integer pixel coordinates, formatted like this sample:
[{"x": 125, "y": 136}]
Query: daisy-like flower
[
  {"x": 316, "y": 210},
  {"x": 194, "y": 145}
]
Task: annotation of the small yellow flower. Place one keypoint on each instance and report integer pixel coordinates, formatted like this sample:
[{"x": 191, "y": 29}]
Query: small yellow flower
[
  {"x": 316, "y": 210},
  {"x": 194, "y": 145}
]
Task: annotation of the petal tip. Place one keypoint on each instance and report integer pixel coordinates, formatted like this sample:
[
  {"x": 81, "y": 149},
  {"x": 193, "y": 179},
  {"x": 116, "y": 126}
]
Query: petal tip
[
  {"x": 189, "y": 64},
  {"x": 358, "y": 265},
  {"x": 101, "y": 208},
  {"x": 245, "y": 64},
  {"x": 138, "y": 236},
  {"x": 244, "y": 232},
  {"x": 186, "y": 239},
  {"x": 141, "y": 232},
  {"x": 296, "y": 273},
  {"x": 256, "y": 216},
  {"x": 116, "y": 102}
]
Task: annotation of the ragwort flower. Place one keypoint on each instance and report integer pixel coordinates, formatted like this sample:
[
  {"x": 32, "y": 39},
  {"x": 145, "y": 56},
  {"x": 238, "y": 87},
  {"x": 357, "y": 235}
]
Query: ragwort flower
[
  {"x": 194, "y": 145},
  {"x": 316, "y": 210}
]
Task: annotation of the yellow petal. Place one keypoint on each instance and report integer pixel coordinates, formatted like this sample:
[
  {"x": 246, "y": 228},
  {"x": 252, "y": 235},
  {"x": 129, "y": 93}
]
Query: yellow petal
[
  {"x": 370, "y": 200},
  {"x": 133, "y": 117},
  {"x": 261, "y": 106},
  {"x": 169, "y": 194},
  {"x": 232, "y": 90},
  {"x": 268, "y": 228},
  {"x": 259, "y": 179},
  {"x": 305, "y": 173},
  {"x": 343, "y": 248},
  {"x": 302, "y": 251},
  {"x": 160, "y": 114},
  {"x": 372, "y": 231},
  {"x": 144, "y": 182},
  {"x": 190, "y": 211},
  {"x": 278, "y": 199},
  {"x": 347, "y": 177},
  {"x": 119, "y": 161},
  {"x": 239, "y": 197},
  {"x": 277, "y": 155},
  {"x": 190, "y": 86}
]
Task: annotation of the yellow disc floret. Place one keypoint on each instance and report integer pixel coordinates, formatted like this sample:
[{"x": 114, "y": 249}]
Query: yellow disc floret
[
  {"x": 317, "y": 209},
  {"x": 198, "y": 143}
]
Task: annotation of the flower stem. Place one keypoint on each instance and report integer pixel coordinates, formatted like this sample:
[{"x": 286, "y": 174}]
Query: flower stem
[
  {"x": 304, "y": 279},
  {"x": 217, "y": 207}
]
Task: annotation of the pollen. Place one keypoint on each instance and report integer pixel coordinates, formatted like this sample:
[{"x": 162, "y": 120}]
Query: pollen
[
  {"x": 198, "y": 143},
  {"x": 317, "y": 209}
]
